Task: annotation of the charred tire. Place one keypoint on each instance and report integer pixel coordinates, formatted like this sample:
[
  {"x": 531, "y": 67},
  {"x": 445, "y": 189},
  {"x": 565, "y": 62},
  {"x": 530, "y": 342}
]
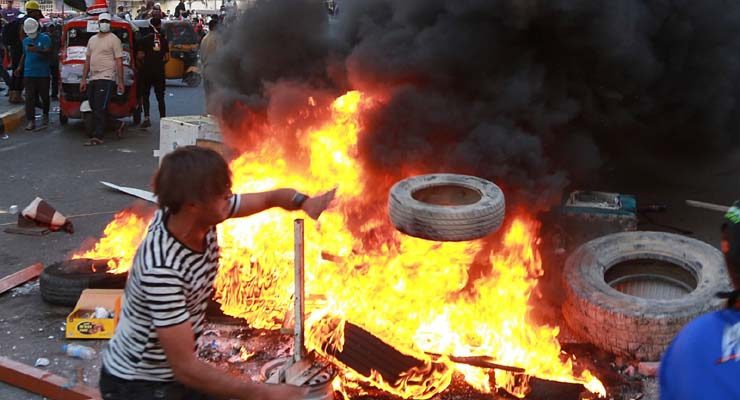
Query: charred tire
[
  {"x": 446, "y": 207},
  {"x": 637, "y": 326},
  {"x": 63, "y": 282}
]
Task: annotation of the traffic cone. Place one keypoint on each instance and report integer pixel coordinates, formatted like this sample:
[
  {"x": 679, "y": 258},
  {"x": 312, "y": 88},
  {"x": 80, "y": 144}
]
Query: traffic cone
[{"x": 44, "y": 214}]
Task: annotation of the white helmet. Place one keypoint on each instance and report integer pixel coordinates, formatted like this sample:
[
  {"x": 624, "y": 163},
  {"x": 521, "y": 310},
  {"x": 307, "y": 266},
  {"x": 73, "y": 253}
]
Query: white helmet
[{"x": 30, "y": 26}]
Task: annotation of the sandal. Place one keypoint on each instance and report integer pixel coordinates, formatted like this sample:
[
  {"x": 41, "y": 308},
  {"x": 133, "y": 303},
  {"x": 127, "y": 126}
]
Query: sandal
[{"x": 94, "y": 142}]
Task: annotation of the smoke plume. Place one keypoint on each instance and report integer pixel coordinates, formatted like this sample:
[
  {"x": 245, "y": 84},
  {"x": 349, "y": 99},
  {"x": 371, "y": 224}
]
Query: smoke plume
[{"x": 527, "y": 93}]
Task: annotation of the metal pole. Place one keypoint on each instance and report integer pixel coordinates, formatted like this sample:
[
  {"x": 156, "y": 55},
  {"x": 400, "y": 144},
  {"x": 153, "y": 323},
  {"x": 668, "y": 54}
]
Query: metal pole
[{"x": 299, "y": 348}]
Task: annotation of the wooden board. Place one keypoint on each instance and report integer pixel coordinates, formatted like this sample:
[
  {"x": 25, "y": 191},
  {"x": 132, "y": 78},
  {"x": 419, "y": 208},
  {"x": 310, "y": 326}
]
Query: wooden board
[
  {"x": 42, "y": 382},
  {"x": 20, "y": 277}
]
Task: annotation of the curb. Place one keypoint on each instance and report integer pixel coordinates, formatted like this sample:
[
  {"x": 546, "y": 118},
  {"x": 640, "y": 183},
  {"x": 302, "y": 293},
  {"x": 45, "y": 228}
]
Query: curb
[{"x": 12, "y": 119}]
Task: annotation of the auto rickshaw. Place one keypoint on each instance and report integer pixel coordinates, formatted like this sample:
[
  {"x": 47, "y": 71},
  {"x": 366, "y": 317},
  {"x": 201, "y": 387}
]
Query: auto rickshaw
[
  {"x": 75, "y": 34},
  {"x": 183, "y": 62},
  {"x": 183, "y": 42}
]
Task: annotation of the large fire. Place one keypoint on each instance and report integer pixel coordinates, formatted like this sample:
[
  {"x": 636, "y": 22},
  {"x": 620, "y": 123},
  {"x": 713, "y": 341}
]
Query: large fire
[{"x": 414, "y": 294}]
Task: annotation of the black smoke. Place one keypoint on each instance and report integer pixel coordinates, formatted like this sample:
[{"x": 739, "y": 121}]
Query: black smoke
[{"x": 531, "y": 94}]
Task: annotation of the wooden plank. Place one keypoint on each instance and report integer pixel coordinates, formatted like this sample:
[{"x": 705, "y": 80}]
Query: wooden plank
[
  {"x": 42, "y": 382},
  {"x": 20, "y": 277}
]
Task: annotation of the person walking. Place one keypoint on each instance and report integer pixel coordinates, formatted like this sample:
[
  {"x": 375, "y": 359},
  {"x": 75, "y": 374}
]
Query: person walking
[
  {"x": 171, "y": 279},
  {"x": 180, "y": 10},
  {"x": 156, "y": 51},
  {"x": 104, "y": 63},
  {"x": 34, "y": 67},
  {"x": 208, "y": 47}
]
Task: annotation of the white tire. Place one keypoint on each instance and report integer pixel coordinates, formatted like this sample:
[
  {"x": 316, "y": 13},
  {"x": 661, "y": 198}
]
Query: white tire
[{"x": 446, "y": 207}]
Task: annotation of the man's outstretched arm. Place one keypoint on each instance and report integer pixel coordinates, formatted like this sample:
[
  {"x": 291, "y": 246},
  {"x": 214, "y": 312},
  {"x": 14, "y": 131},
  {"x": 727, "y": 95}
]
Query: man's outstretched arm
[{"x": 288, "y": 199}]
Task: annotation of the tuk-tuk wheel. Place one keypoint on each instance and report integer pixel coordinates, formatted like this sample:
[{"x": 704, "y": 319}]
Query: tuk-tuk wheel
[
  {"x": 63, "y": 119},
  {"x": 192, "y": 79}
]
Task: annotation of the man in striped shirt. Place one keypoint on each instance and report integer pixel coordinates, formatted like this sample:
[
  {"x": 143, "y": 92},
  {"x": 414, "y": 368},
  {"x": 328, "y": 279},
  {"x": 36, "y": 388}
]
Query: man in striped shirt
[{"x": 151, "y": 355}]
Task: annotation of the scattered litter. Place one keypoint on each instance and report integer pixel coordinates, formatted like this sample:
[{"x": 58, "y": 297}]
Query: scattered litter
[
  {"x": 79, "y": 351},
  {"x": 28, "y": 288},
  {"x": 125, "y": 151},
  {"x": 11, "y": 210},
  {"x": 62, "y": 328},
  {"x": 51, "y": 337},
  {"x": 142, "y": 194},
  {"x": 41, "y": 362},
  {"x": 170, "y": 94},
  {"x": 22, "y": 337},
  {"x": 41, "y": 329}
]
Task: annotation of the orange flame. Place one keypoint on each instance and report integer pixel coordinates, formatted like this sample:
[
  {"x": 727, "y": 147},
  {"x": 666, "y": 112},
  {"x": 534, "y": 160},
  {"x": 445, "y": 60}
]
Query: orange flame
[
  {"x": 120, "y": 240},
  {"x": 415, "y": 295}
]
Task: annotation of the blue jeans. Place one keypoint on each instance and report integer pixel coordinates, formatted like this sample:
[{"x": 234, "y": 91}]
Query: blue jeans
[{"x": 115, "y": 388}]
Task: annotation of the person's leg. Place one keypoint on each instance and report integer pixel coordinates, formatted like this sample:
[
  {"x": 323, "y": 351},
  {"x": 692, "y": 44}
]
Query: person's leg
[
  {"x": 43, "y": 90},
  {"x": 146, "y": 85},
  {"x": 16, "y": 82},
  {"x": 54, "y": 69},
  {"x": 31, "y": 94},
  {"x": 102, "y": 89},
  {"x": 159, "y": 85}
]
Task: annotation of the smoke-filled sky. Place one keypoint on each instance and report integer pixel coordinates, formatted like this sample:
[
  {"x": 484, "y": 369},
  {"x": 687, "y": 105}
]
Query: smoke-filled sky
[{"x": 530, "y": 94}]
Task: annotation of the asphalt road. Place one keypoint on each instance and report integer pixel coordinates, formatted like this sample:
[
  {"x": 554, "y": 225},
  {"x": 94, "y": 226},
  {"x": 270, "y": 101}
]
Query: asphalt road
[{"x": 53, "y": 164}]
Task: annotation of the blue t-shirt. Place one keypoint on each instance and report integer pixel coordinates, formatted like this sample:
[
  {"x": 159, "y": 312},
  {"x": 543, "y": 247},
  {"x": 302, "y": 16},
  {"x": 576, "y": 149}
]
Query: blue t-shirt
[
  {"x": 703, "y": 362},
  {"x": 36, "y": 65}
]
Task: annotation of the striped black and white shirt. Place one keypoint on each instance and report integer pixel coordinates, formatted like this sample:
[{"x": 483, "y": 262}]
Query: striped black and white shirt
[{"x": 168, "y": 284}]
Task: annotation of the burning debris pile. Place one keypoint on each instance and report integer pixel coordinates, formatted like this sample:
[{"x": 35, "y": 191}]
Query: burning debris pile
[{"x": 509, "y": 91}]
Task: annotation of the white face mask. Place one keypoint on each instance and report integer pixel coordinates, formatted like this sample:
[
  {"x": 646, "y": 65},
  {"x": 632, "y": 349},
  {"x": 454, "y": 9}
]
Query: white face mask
[
  {"x": 33, "y": 35},
  {"x": 105, "y": 27}
]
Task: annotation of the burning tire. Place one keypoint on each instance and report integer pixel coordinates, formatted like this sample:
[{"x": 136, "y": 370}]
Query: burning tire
[
  {"x": 446, "y": 207},
  {"x": 630, "y": 293},
  {"x": 63, "y": 282}
]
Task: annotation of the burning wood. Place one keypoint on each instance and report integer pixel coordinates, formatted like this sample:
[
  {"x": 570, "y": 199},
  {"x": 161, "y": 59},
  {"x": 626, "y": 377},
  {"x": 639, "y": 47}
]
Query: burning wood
[{"x": 416, "y": 295}]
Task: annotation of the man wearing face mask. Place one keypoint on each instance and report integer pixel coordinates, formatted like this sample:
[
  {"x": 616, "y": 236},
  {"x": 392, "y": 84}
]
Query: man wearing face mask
[
  {"x": 34, "y": 67},
  {"x": 104, "y": 62}
]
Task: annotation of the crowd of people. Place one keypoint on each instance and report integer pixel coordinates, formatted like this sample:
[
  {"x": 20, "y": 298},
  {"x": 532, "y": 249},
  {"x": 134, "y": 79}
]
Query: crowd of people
[{"x": 31, "y": 45}]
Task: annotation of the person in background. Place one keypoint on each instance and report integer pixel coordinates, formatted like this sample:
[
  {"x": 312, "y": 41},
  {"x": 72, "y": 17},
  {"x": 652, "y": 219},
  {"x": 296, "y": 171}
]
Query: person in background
[
  {"x": 703, "y": 361},
  {"x": 34, "y": 67},
  {"x": 180, "y": 9},
  {"x": 208, "y": 47},
  {"x": 104, "y": 62},
  {"x": 148, "y": 10},
  {"x": 171, "y": 280},
  {"x": 156, "y": 52},
  {"x": 123, "y": 14},
  {"x": 9, "y": 13},
  {"x": 13, "y": 38},
  {"x": 55, "y": 35},
  {"x": 157, "y": 11}
]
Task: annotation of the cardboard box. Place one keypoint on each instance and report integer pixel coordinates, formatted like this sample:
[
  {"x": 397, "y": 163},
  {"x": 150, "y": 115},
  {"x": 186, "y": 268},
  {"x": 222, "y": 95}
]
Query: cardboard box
[
  {"x": 185, "y": 130},
  {"x": 82, "y": 324}
]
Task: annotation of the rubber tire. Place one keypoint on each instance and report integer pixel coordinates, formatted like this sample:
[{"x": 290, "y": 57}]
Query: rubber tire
[
  {"x": 63, "y": 120},
  {"x": 634, "y": 326},
  {"x": 444, "y": 222},
  {"x": 192, "y": 79},
  {"x": 62, "y": 283}
]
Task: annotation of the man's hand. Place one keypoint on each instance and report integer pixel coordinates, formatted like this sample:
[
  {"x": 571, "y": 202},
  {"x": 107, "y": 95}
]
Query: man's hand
[
  {"x": 314, "y": 206},
  {"x": 18, "y": 71},
  {"x": 120, "y": 87},
  {"x": 83, "y": 85}
]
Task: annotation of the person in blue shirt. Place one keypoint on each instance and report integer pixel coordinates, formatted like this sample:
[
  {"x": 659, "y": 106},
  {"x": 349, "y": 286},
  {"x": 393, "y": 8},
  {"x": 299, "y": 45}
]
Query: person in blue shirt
[
  {"x": 34, "y": 66},
  {"x": 703, "y": 361}
]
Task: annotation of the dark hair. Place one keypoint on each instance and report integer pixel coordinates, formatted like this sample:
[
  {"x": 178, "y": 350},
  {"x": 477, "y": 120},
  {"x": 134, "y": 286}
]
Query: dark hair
[
  {"x": 212, "y": 24},
  {"x": 190, "y": 174}
]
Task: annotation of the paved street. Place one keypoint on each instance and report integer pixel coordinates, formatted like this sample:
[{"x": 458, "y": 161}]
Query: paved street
[{"x": 54, "y": 165}]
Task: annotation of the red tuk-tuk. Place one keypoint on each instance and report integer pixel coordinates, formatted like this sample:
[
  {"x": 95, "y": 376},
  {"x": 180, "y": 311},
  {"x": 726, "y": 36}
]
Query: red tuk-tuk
[{"x": 75, "y": 34}]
